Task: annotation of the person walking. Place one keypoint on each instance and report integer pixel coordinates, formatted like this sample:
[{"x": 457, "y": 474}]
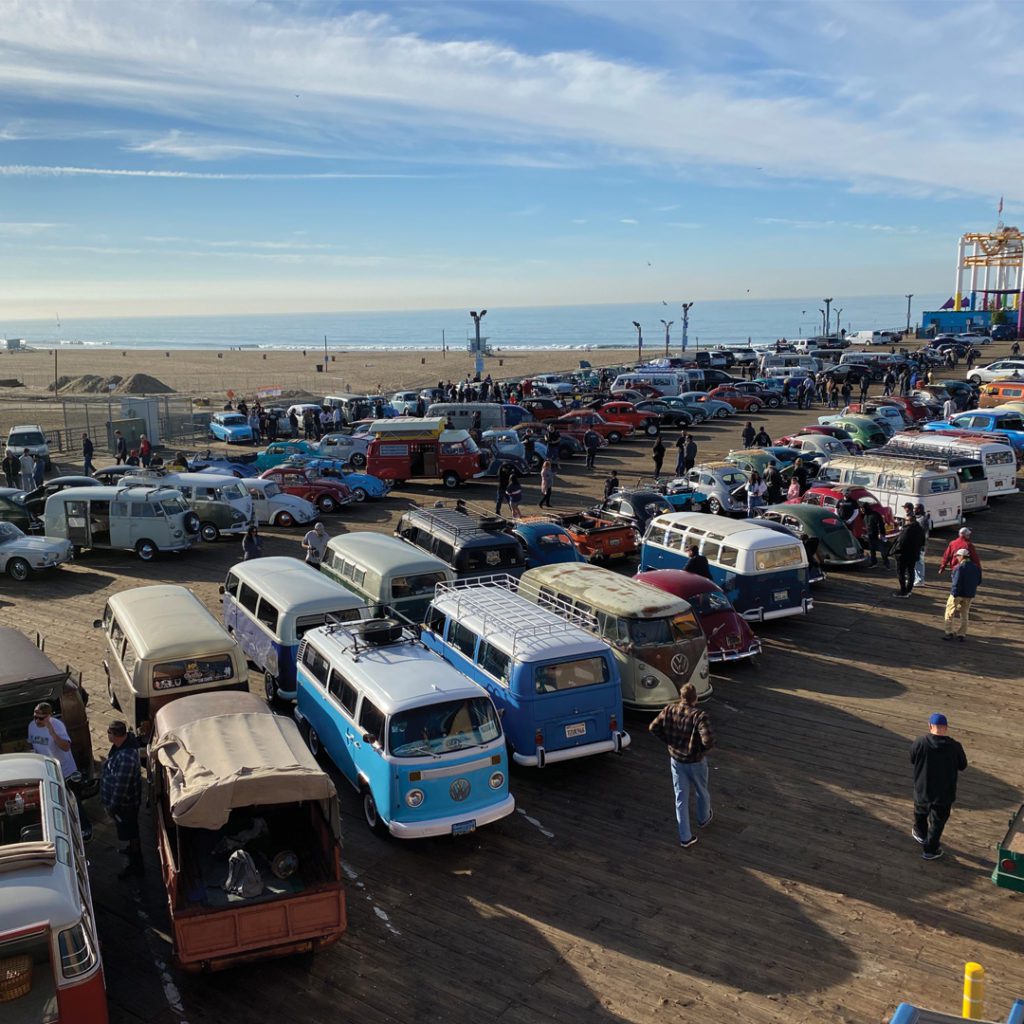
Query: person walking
[
  {"x": 697, "y": 563},
  {"x": 49, "y": 736},
  {"x": 888, "y": 383},
  {"x": 937, "y": 761},
  {"x": 12, "y": 468},
  {"x": 87, "y": 452},
  {"x": 756, "y": 490},
  {"x": 315, "y": 545},
  {"x": 949, "y": 408},
  {"x": 121, "y": 793},
  {"x": 801, "y": 477},
  {"x": 962, "y": 541},
  {"x": 689, "y": 454},
  {"x": 514, "y": 493},
  {"x": 547, "y": 481},
  {"x": 145, "y": 451},
  {"x": 774, "y": 484},
  {"x": 611, "y": 485},
  {"x": 874, "y": 534},
  {"x": 962, "y": 591},
  {"x": 252, "y": 546},
  {"x": 748, "y": 435},
  {"x": 591, "y": 441},
  {"x": 686, "y": 730},
  {"x": 907, "y": 549},
  {"x": 27, "y": 465},
  {"x": 924, "y": 519},
  {"x": 658, "y": 454},
  {"x": 120, "y": 448},
  {"x": 681, "y": 453},
  {"x": 865, "y": 385},
  {"x": 504, "y": 472},
  {"x": 971, "y": 356},
  {"x": 762, "y": 439}
]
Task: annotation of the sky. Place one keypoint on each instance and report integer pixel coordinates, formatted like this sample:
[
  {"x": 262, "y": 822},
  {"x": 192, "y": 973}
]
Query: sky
[{"x": 260, "y": 157}]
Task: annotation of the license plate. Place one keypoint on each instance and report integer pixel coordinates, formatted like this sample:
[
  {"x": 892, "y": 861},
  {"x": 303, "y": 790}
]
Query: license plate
[
  {"x": 780, "y": 595},
  {"x": 616, "y": 543},
  {"x": 617, "y": 554},
  {"x": 460, "y": 828},
  {"x": 851, "y": 551},
  {"x": 576, "y": 729}
]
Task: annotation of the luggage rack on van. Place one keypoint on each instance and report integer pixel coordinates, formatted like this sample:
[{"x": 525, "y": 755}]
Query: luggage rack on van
[
  {"x": 357, "y": 636},
  {"x": 445, "y": 519},
  {"x": 926, "y": 453},
  {"x": 520, "y": 627}
]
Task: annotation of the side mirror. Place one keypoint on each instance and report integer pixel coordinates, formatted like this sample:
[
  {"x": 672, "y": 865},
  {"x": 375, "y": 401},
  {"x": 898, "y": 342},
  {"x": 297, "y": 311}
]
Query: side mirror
[
  {"x": 367, "y": 738},
  {"x": 97, "y": 623}
]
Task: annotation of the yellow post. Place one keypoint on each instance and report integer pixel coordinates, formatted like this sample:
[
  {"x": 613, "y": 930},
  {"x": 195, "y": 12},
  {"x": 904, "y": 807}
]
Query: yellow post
[{"x": 974, "y": 992}]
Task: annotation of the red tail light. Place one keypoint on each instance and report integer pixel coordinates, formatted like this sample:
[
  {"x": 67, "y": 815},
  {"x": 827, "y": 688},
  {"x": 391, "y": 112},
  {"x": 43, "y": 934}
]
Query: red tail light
[
  {"x": 538, "y": 738},
  {"x": 613, "y": 723},
  {"x": 1008, "y": 865}
]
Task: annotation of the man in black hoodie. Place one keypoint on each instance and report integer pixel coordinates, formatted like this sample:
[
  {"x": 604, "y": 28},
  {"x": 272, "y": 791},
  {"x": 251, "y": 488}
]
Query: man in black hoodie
[
  {"x": 907, "y": 548},
  {"x": 937, "y": 759}
]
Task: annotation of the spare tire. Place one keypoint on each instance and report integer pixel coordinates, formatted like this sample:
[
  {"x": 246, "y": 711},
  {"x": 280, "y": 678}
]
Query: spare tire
[{"x": 191, "y": 523}]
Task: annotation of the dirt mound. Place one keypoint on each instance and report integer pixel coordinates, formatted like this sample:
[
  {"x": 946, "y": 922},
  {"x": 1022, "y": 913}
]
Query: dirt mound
[
  {"x": 86, "y": 384},
  {"x": 142, "y": 384}
]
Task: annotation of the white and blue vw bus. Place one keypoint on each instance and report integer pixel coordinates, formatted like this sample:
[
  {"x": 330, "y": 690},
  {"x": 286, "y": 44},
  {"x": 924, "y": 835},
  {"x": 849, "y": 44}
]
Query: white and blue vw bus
[
  {"x": 763, "y": 572},
  {"x": 558, "y": 687},
  {"x": 421, "y": 743}
]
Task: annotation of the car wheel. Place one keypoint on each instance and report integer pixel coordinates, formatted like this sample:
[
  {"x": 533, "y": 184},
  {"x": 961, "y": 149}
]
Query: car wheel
[
  {"x": 326, "y": 504},
  {"x": 373, "y": 820},
  {"x": 18, "y": 569},
  {"x": 773, "y": 403},
  {"x": 270, "y": 687},
  {"x": 450, "y": 480},
  {"x": 651, "y": 430},
  {"x": 146, "y": 550},
  {"x": 536, "y": 462},
  {"x": 975, "y": 379},
  {"x": 209, "y": 532},
  {"x": 313, "y": 741},
  {"x": 754, "y": 407},
  {"x": 284, "y": 519},
  {"x": 614, "y": 437},
  {"x": 721, "y": 414},
  {"x": 358, "y": 460},
  {"x": 359, "y": 494},
  {"x": 714, "y": 507}
]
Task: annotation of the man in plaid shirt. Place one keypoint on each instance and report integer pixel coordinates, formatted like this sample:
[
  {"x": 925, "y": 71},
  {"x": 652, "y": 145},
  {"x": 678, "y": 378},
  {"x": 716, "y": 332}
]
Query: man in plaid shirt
[
  {"x": 121, "y": 793},
  {"x": 686, "y": 730}
]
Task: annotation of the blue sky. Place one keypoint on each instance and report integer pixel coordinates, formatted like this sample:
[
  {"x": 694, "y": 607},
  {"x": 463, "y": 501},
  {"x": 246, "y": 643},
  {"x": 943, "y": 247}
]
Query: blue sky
[{"x": 204, "y": 157}]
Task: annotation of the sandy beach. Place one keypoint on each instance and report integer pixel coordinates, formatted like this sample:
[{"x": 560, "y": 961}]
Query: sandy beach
[{"x": 211, "y": 374}]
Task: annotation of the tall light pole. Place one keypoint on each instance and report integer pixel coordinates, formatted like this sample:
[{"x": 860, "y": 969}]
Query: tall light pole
[
  {"x": 828, "y": 315},
  {"x": 477, "y": 347},
  {"x": 839, "y": 313},
  {"x": 909, "y": 297},
  {"x": 639, "y": 341},
  {"x": 668, "y": 324},
  {"x": 822, "y": 312},
  {"x": 687, "y": 306}
]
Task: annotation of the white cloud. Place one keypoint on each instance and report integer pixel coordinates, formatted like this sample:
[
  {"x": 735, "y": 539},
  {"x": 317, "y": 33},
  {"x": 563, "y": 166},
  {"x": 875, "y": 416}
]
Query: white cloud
[
  {"x": 175, "y": 143},
  {"x": 23, "y": 229},
  {"x": 35, "y": 171},
  {"x": 627, "y": 220}
]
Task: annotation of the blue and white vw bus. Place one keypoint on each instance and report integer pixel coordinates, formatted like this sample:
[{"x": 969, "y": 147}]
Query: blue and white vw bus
[
  {"x": 269, "y": 605},
  {"x": 763, "y": 573},
  {"x": 557, "y": 686},
  {"x": 421, "y": 743}
]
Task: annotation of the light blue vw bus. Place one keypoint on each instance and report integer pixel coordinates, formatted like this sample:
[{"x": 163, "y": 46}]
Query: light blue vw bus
[
  {"x": 557, "y": 686},
  {"x": 421, "y": 743},
  {"x": 763, "y": 573}
]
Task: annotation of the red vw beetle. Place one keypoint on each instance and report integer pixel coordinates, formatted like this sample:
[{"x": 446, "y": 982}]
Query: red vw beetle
[
  {"x": 328, "y": 495},
  {"x": 729, "y": 636}
]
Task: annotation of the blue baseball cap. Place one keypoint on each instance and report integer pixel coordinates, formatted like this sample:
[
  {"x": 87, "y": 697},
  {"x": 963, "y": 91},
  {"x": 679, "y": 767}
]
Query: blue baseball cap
[{"x": 938, "y": 719}]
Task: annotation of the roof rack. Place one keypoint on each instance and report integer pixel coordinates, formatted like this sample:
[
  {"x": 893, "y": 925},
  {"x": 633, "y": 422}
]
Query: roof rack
[
  {"x": 460, "y": 524},
  {"x": 477, "y": 597},
  {"x": 357, "y": 636}
]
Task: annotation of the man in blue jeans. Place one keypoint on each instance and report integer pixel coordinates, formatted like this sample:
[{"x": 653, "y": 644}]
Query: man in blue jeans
[{"x": 687, "y": 732}]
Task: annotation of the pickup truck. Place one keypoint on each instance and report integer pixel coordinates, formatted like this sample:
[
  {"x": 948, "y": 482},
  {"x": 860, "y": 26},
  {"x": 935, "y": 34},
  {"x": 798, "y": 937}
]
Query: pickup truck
[{"x": 600, "y": 539}]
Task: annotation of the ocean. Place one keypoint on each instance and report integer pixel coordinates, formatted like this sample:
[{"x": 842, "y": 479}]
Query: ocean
[{"x": 543, "y": 327}]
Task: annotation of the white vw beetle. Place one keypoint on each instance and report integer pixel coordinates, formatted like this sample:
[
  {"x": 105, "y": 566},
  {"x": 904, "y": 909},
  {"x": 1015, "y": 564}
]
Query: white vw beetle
[
  {"x": 21, "y": 555},
  {"x": 272, "y": 506}
]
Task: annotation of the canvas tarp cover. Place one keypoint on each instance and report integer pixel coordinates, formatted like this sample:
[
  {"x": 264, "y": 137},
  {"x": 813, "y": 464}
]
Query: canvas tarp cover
[{"x": 217, "y": 763}]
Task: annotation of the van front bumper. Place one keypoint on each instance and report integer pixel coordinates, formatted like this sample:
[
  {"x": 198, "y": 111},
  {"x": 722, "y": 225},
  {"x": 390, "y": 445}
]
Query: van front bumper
[
  {"x": 760, "y": 615},
  {"x": 443, "y": 826},
  {"x": 615, "y": 745}
]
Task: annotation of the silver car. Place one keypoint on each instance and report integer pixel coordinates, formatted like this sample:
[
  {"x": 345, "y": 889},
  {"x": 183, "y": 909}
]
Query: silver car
[
  {"x": 717, "y": 480},
  {"x": 21, "y": 555},
  {"x": 714, "y": 408},
  {"x": 1001, "y": 369}
]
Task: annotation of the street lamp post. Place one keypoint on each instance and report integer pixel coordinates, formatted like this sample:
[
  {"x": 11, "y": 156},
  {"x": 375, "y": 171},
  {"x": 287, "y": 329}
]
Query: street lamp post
[
  {"x": 822, "y": 312},
  {"x": 839, "y": 313},
  {"x": 828, "y": 315},
  {"x": 639, "y": 341},
  {"x": 909, "y": 297},
  {"x": 477, "y": 345},
  {"x": 668, "y": 324},
  {"x": 687, "y": 306}
]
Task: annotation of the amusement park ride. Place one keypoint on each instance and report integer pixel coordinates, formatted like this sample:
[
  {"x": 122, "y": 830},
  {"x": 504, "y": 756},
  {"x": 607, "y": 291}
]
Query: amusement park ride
[{"x": 995, "y": 262}]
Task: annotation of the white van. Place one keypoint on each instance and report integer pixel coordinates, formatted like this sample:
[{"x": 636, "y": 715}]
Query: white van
[
  {"x": 874, "y": 338},
  {"x": 996, "y": 456},
  {"x": 668, "y": 382},
  {"x": 787, "y": 361},
  {"x": 895, "y": 482}
]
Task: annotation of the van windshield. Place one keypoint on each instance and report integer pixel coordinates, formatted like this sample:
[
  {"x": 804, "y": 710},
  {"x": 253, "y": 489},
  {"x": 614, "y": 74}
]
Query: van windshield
[
  {"x": 443, "y": 728},
  {"x": 571, "y": 675},
  {"x": 172, "y": 506},
  {"x": 668, "y": 630}
]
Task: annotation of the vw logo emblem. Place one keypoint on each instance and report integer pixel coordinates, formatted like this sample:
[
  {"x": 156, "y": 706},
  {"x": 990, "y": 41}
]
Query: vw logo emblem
[
  {"x": 680, "y": 663},
  {"x": 459, "y": 789}
]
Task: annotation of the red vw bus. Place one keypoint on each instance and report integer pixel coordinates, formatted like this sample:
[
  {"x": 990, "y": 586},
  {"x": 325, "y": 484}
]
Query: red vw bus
[{"x": 412, "y": 449}]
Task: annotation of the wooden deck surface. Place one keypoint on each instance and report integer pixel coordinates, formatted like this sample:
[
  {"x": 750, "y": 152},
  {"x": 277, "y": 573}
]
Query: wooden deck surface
[{"x": 805, "y": 900}]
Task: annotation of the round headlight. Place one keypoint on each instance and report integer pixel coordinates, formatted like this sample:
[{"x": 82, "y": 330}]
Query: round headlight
[
  {"x": 497, "y": 780},
  {"x": 414, "y": 797},
  {"x": 650, "y": 682},
  {"x": 177, "y": 533},
  {"x": 704, "y": 672}
]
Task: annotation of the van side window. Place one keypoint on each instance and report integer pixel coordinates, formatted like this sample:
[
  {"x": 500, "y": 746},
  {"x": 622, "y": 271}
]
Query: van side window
[
  {"x": 268, "y": 615},
  {"x": 462, "y": 638},
  {"x": 231, "y": 584},
  {"x": 656, "y": 534},
  {"x": 495, "y": 662},
  {"x": 317, "y": 664},
  {"x": 435, "y": 621},
  {"x": 371, "y": 721},
  {"x": 119, "y": 508},
  {"x": 248, "y": 598},
  {"x": 116, "y": 633},
  {"x": 546, "y": 598},
  {"x": 129, "y": 658},
  {"x": 143, "y": 509},
  {"x": 444, "y": 551},
  {"x": 342, "y": 691},
  {"x": 710, "y": 550},
  {"x": 728, "y": 557},
  {"x": 674, "y": 539}
]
